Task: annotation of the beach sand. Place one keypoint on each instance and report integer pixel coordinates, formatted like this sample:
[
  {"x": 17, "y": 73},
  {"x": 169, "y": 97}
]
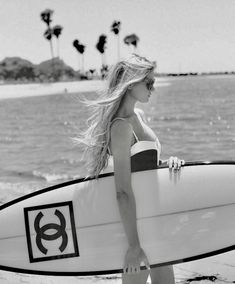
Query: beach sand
[
  {"x": 17, "y": 278},
  {"x": 221, "y": 266},
  {"x": 31, "y": 90}
]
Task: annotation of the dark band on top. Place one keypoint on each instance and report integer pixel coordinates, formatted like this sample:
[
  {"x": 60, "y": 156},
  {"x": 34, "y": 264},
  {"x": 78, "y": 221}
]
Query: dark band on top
[{"x": 144, "y": 160}]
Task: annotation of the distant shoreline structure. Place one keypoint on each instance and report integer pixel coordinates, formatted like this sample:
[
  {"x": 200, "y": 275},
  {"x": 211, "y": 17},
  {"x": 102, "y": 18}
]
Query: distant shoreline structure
[
  {"x": 195, "y": 74},
  {"x": 15, "y": 70},
  {"x": 74, "y": 81}
]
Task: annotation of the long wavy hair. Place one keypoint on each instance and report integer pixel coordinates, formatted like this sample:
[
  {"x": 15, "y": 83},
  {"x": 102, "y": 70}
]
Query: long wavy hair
[{"x": 96, "y": 137}]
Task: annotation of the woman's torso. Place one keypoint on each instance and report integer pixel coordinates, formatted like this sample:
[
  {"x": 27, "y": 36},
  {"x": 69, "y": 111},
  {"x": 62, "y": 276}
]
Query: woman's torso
[{"x": 143, "y": 139}]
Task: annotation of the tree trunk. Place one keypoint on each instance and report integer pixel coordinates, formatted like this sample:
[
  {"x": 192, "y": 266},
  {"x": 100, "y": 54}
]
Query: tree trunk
[
  {"x": 52, "y": 61},
  {"x": 118, "y": 47},
  {"x": 52, "y": 53},
  {"x": 58, "y": 48}
]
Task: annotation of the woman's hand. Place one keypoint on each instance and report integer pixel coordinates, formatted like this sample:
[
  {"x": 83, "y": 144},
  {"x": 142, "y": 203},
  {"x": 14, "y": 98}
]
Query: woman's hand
[
  {"x": 134, "y": 258},
  {"x": 175, "y": 163}
]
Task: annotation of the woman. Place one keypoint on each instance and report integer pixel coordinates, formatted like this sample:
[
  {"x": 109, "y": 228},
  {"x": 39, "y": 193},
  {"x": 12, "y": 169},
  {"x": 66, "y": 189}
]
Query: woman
[{"x": 115, "y": 126}]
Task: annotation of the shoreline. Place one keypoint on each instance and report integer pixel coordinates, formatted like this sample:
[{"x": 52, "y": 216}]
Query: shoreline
[
  {"x": 44, "y": 89},
  {"x": 14, "y": 91}
]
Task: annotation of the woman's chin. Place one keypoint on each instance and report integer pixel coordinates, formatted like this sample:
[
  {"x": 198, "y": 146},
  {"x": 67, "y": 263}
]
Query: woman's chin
[{"x": 145, "y": 100}]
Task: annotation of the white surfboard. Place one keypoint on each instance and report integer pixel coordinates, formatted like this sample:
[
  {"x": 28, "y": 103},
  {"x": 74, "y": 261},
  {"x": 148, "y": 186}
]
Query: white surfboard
[{"x": 74, "y": 228}]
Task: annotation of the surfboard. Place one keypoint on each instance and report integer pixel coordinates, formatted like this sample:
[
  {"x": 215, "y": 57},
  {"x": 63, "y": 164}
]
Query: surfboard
[{"x": 74, "y": 228}]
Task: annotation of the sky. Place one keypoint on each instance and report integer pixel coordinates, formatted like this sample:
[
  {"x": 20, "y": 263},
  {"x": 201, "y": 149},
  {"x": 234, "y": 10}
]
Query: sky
[{"x": 180, "y": 35}]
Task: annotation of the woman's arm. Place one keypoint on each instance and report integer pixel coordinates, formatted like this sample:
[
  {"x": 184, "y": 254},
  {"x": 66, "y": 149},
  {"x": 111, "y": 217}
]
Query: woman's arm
[{"x": 121, "y": 137}]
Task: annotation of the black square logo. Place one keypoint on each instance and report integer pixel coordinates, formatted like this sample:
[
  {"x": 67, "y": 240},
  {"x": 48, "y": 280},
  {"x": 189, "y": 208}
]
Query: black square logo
[{"x": 51, "y": 231}]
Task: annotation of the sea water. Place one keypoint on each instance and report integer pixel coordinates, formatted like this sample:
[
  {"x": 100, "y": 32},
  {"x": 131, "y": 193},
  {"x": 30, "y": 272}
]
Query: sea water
[{"x": 193, "y": 117}]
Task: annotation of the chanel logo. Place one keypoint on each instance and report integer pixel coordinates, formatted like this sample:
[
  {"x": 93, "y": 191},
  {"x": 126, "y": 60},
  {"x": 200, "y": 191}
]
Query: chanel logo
[
  {"x": 51, "y": 231},
  {"x": 60, "y": 231}
]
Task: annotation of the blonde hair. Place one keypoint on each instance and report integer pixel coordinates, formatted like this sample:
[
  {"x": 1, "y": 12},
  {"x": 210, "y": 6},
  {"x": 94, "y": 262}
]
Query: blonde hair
[{"x": 97, "y": 136}]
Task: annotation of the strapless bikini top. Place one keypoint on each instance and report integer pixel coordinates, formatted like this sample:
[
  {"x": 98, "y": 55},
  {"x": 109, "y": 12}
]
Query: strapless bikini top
[{"x": 144, "y": 156}]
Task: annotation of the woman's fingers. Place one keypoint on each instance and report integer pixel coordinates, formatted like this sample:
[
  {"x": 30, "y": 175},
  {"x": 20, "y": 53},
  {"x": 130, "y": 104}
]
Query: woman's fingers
[
  {"x": 131, "y": 269},
  {"x": 134, "y": 269},
  {"x": 175, "y": 163},
  {"x": 133, "y": 263},
  {"x": 170, "y": 162},
  {"x": 127, "y": 269}
]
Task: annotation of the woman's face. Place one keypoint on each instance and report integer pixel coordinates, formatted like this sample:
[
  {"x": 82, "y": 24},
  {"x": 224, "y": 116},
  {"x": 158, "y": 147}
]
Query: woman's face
[{"x": 142, "y": 91}]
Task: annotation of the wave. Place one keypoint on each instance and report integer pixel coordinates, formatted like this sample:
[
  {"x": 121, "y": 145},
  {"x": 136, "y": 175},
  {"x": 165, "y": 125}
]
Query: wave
[
  {"x": 26, "y": 176},
  {"x": 177, "y": 118},
  {"x": 74, "y": 161},
  {"x": 8, "y": 139},
  {"x": 28, "y": 182},
  {"x": 52, "y": 177}
]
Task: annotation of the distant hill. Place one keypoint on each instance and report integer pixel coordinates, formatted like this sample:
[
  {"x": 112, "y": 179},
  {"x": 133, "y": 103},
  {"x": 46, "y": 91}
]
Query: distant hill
[
  {"x": 21, "y": 70},
  {"x": 12, "y": 68}
]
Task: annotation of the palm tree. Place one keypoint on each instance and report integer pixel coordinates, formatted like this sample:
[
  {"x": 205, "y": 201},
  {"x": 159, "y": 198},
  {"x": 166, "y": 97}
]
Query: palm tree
[
  {"x": 101, "y": 47},
  {"x": 48, "y": 35},
  {"x": 57, "y": 32},
  {"x": 115, "y": 28},
  {"x": 81, "y": 49},
  {"x": 132, "y": 39},
  {"x": 46, "y": 16}
]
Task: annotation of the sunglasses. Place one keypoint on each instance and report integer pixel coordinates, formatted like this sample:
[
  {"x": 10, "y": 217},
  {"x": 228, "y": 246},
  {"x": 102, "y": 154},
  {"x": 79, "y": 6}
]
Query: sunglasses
[{"x": 149, "y": 84}]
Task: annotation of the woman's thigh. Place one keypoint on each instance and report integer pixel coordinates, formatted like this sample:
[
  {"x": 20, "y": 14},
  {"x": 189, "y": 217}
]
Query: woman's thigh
[
  {"x": 139, "y": 278},
  {"x": 162, "y": 275}
]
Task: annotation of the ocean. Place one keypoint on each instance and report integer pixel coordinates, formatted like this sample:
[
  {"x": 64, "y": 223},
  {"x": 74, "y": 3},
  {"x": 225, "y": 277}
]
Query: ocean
[{"x": 193, "y": 117}]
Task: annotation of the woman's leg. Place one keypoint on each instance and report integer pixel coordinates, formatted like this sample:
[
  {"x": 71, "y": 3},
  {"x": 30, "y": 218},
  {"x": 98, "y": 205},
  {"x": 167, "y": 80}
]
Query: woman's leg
[
  {"x": 162, "y": 275},
  {"x": 139, "y": 278}
]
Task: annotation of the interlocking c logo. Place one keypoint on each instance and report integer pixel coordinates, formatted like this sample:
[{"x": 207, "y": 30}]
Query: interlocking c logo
[{"x": 59, "y": 228}]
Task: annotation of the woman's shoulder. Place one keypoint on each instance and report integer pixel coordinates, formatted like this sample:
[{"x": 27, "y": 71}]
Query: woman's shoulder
[
  {"x": 120, "y": 124},
  {"x": 120, "y": 137}
]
